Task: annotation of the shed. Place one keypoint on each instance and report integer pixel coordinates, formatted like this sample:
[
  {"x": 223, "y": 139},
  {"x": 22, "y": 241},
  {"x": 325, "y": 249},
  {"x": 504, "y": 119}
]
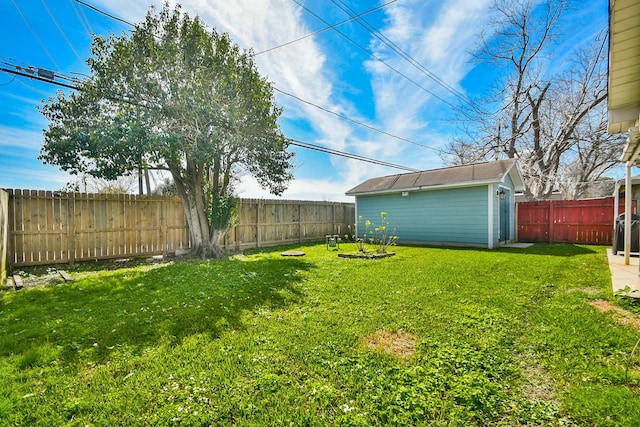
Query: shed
[{"x": 469, "y": 205}]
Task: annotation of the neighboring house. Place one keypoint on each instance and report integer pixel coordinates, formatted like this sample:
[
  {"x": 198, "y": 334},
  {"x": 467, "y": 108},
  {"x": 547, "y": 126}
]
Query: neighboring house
[
  {"x": 471, "y": 205},
  {"x": 623, "y": 100}
]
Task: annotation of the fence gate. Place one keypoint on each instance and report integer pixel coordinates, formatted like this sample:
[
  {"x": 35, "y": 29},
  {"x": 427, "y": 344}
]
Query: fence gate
[{"x": 568, "y": 221}]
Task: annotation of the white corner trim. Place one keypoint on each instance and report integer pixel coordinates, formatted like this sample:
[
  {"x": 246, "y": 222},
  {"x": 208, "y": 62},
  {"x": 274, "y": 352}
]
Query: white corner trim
[{"x": 490, "y": 196}]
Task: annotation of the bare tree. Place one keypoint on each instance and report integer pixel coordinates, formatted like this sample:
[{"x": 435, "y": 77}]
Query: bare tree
[
  {"x": 542, "y": 117},
  {"x": 593, "y": 155},
  {"x": 86, "y": 183}
]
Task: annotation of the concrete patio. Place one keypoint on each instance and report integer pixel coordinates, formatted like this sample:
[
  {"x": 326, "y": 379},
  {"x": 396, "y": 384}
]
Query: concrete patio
[{"x": 624, "y": 276}]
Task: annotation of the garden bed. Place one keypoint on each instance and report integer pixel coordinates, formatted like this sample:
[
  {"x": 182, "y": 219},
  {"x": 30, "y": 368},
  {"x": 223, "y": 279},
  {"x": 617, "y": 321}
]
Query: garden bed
[{"x": 366, "y": 255}]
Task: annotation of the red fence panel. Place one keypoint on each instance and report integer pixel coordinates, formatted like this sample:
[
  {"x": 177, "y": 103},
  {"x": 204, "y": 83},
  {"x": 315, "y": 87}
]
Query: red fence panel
[{"x": 568, "y": 221}]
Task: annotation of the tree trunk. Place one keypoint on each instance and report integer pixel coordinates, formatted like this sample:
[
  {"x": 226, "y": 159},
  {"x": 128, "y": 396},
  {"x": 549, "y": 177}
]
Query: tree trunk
[{"x": 205, "y": 241}]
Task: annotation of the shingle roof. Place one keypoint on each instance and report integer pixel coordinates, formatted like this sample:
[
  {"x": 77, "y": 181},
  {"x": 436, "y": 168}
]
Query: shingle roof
[{"x": 445, "y": 177}]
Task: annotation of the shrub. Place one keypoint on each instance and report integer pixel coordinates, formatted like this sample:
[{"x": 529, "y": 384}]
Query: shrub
[{"x": 366, "y": 233}]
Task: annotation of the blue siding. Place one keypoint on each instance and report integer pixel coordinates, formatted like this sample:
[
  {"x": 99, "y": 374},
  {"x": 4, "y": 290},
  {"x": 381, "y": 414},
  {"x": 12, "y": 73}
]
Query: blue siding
[{"x": 458, "y": 215}]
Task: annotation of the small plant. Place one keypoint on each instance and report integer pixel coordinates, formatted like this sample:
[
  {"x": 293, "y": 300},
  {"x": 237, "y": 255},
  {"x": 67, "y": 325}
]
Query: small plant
[{"x": 380, "y": 237}]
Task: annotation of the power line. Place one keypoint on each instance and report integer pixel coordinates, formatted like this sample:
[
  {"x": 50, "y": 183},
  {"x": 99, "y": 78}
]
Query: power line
[
  {"x": 9, "y": 82},
  {"x": 38, "y": 76},
  {"x": 326, "y": 28},
  {"x": 348, "y": 155},
  {"x": 47, "y": 76},
  {"x": 393, "y": 46},
  {"x": 372, "y": 55},
  {"x": 86, "y": 20},
  {"x": 359, "y": 123},
  {"x": 55, "y": 21},
  {"x": 84, "y": 25},
  {"x": 102, "y": 12},
  {"x": 26, "y": 21}
]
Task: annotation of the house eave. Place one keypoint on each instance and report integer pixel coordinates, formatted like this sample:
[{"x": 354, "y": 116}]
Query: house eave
[
  {"x": 623, "y": 85},
  {"x": 632, "y": 147},
  {"x": 426, "y": 188}
]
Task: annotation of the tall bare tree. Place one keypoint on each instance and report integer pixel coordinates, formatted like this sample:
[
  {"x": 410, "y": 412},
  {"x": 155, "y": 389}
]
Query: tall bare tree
[{"x": 539, "y": 115}]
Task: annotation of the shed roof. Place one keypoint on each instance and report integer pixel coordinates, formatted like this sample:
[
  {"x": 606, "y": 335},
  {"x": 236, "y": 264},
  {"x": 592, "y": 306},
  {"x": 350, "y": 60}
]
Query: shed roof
[{"x": 456, "y": 176}]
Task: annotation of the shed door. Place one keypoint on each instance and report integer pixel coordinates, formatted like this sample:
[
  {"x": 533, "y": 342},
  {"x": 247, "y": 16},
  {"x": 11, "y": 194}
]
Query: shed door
[{"x": 504, "y": 217}]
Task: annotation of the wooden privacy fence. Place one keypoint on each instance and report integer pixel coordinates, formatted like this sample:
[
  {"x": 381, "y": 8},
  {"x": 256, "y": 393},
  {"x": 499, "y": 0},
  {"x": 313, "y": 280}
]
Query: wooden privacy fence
[
  {"x": 263, "y": 223},
  {"x": 567, "y": 221},
  {"x": 48, "y": 227}
]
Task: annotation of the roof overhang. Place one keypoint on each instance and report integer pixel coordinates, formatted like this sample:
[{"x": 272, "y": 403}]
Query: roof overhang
[
  {"x": 423, "y": 188},
  {"x": 624, "y": 72},
  {"x": 632, "y": 147},
  {"x": 514, "y": 173},
  {"x": 497, "y": 174}
]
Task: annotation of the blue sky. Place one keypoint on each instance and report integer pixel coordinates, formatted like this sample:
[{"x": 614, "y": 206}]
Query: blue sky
[{"x": 330, "y": 69}]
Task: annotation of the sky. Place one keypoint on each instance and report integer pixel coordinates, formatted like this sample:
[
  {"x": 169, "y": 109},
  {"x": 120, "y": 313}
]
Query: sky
[{"x": 384, "y": 87}]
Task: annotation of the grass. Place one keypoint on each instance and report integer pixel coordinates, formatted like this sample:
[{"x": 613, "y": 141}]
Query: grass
[{"x": 431, "y": 336}]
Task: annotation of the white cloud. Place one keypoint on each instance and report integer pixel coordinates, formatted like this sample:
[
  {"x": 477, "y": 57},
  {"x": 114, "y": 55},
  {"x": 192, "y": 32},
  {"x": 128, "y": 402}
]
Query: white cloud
[
  {"x": 28, "y": 141},
  {"x": 436, "y": 37},
  {"x": 300, "y": 189},
  {"x": 440, "y": 41}
]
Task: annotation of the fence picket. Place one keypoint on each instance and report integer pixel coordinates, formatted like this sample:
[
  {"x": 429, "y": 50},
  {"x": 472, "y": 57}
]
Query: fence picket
[
  {"x": 51, "y": 227},
  {"x": 567, "y": 221}
]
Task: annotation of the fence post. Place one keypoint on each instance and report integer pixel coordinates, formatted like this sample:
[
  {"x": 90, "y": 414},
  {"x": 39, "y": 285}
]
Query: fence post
[
  {"x": 71, "y": 228},
  {"x": 235, "y": 228},
  {"x": 551, "y": 239},
  {"x": 300, "y": 223},
  {"x": 78, "y": 220},
  {"x": 258, "y": 223},
  {"x": 4, "y": 236},
  {"x": 516, "y": 225}
]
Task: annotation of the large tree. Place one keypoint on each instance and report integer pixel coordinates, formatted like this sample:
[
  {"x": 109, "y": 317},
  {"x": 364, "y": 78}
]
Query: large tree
[
  {"x": 173, "y": 95},
  {"x": 540, "y": 110}
]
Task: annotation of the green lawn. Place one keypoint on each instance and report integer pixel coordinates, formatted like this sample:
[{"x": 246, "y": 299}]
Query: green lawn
[{"x": 482, "y": 337}]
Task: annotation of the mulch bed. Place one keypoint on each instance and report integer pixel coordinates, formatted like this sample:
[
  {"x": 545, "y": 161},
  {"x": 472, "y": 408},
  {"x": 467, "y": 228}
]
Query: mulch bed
[{"x": 366, "y": 255}]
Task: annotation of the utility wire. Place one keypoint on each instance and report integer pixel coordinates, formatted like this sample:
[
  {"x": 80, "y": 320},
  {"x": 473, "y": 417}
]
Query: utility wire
[
  {"x": 28, "y": 86},
  {"x": 348, "y": 155},
  {"x": 9, "y": 82},
  {"x": 359, "y": 123},
  {"x": 37, "y": 77},
  {"x": 102, "y": 12},
  {"x": 393, "y": 46},
  {"x": 55, "y": 21},
  {"x": 326, "y": 28},
  {"x": 288, "y": 94},
  {"x": 75, "y": 9},
  {"x": 26, "y": 21},
  {"x": 86, "y": 20},
  {"x": 295, "y": 142},
  {"x": 372, "y": 55}
]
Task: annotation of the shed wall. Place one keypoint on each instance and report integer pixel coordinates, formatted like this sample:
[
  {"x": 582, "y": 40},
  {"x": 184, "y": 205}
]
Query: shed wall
[
  {"x": 457, "y": 216},
  {"x": 492, "y": 198}
]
